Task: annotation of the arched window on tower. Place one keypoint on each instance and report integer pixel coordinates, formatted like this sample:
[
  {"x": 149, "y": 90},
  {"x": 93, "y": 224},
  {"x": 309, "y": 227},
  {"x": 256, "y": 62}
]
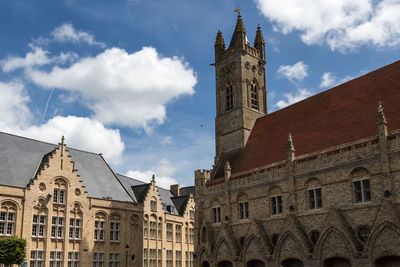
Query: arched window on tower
[
  {"x": 254, "y": 95},
  {"x": 229, "y": 97}
]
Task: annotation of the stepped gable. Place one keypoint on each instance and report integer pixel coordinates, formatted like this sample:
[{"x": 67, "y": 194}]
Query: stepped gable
[
  {"x": 20, "y": 158},
  {"x": 345, "y": 113}
]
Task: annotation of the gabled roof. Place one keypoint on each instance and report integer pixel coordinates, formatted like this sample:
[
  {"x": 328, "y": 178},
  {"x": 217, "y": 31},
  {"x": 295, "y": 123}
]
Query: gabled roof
[
  {"x": 20, "y": 158},
  {"x": 343, "y": 114},
  {"x": 180, "y": 203},
  {"x": 140, "y": 189}
]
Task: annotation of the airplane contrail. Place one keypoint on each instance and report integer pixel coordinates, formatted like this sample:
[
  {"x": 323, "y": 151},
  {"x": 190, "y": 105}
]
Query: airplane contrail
[{"x": 47, "y": 104}]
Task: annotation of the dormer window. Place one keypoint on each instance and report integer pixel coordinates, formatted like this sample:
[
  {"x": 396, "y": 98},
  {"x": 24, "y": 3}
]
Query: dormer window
[{"x": 229, "y": 97}]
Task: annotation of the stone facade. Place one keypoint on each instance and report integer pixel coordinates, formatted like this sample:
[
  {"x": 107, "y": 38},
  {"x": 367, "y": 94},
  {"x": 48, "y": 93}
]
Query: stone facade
[
  {"x": 337, "y": 206},
  {"x": 73, "y": 210},
  {"x": 62, "y": 225}
]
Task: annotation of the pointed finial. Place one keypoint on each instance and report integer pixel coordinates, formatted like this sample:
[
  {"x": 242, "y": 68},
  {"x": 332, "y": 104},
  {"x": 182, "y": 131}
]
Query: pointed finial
[
  {"x": 62, "y": 140},
  {"x": 153, "y": 178},
  {"x": 237, "y": 9},
  {"x": 239, "y": 23},
  {"x": 259, "y": 37},
  {"x": 290, "y": 145},
  {"x": 381, "y": 115},
  {"x": 219, "y": 41}
]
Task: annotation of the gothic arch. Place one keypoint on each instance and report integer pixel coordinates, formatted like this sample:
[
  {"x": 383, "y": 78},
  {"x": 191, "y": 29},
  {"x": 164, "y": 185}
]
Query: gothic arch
[
  {"x": 312, "y": 182},
  {"x": 226, "y": 251},
  {"x": 101, "y": 214},
  {"x": 13, "y": 202},
  {"x": 332, "y": 234},
  {"x": 388, "y": 232},
  {"x": 252, "y": 249},
  {"x": 61, "y": 178},
  {"x": 289, "y": 246}
]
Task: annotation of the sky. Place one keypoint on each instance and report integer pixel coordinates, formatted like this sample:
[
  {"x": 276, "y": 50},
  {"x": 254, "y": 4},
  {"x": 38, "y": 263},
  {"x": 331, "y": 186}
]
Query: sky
[{"x": 131, "y": 79}]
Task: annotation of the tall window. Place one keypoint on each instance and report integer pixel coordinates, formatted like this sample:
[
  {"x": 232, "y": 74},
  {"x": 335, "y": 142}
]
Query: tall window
[
  {"x": 145, "y": 257},
  {"x": 187, "y": 234},
  {"x": 178, "y": 233},
  {"x": 276, "y": 203},
  {"x": 229, "y": 97},
  {"x": 114, "y": 260},
  {"x": 362, "y": 190},
  {"x": 169, "y": 258},
  {"x": 191, "y": 254},
  {"x": 56, "y": 259},
  {"x": 152, "y": 258},
  {"x": 243, "y": 210},
  {"x": 169, "y": 231},
  {"x": 187, "y": 259},
  {"x": 59, "y": 196},
  {"x": 191, "y": 235},
  {"x": 75, "y": 228},
  {"x": 153, "y": 229},
  {"x": 39, "y": 226},
  {"x": 153, "y": 205},
  {"x": 178, "y": 259},
  {"x": 159, "y": 258},
  {"x": 73, "y": 259},
  {"x": 99, "y": 226},
  {"x": 98, "y": 259},
  {"x": 191, "y": 214},
  {"x": 216, "y": 214},
  {"x": 145, "y": 228},
  {"x": 315, "y": 198},
  {"x": 7, "y": 222},
  {"x": 57, "y": 227},
  {"x": 115, "y": 229},
  {"x": 254, "y": 96},
  {"x": 37, "y": 259},
  {"x": 159, "y": 231}
]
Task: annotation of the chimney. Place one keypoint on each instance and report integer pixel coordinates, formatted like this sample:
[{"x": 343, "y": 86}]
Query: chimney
[{"x": 174, "y": 188}]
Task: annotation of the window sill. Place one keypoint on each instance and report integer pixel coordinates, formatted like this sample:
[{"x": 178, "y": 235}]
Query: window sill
[{"x": 99, "y": 241}]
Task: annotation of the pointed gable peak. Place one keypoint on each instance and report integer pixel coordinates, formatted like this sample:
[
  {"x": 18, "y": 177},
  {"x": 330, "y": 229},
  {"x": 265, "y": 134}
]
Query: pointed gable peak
[{"x": 259, "y": 37}]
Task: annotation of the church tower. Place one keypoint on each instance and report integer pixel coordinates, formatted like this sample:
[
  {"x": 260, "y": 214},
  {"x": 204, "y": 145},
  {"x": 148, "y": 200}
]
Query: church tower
[{"x": 240, "y": 87}]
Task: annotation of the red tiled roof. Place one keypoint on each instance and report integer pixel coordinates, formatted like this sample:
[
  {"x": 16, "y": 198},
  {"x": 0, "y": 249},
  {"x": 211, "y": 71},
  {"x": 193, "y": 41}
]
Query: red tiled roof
[{"x": 345, "y": 113}]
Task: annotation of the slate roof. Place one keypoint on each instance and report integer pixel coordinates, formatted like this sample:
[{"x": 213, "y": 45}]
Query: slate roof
[
  {"x": 140, "y": 189},
  {"x": 343, "y": 114},
  {"x": 180, "y": 203},
  {"x": 20, "y": 158}
]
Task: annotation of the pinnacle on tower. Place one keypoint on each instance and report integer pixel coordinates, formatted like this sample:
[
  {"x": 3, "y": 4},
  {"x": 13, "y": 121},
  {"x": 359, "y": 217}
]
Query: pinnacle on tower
[
  {"x": 290, "y": 146},
  {"x": 219, "y": 41},
  {"x": 381, "y": 115},
  {"x": 259, "y": 37},
  {"x": 239, "y": 35}
]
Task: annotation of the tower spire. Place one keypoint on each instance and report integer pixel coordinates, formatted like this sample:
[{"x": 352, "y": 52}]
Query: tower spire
[
  {"x": 239, "y": 35},
  {"x": 259, "y": 42}
]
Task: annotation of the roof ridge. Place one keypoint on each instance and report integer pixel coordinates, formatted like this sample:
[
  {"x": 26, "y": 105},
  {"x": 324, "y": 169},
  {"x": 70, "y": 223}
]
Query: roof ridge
[
  {"x": 335, "y": 87},
  {"x": 47, "y": 143},
  {"x": 142, "y": 182}
]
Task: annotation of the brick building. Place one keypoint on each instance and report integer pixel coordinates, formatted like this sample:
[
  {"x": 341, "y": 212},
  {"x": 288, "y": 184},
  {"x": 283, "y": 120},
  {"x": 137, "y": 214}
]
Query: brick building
[
  {"x": 74, "y": 210},
  {"x": 313, "y": 184}
]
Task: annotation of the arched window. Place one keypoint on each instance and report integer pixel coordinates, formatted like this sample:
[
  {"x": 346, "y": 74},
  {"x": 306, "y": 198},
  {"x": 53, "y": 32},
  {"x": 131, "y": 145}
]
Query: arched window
[
  {"x": 314, "y": 193},
  {"x": 254, "y": 95},
  {"x": 115, "y": 226},
  {"x": 153, "y": 227},
  {"x": 153, "y": 204},
  {"x": 59, "y": 193},
  {"x": 243, "y": 205},
  {"x": 99, "y": 226},
  {"x": 229, "y": 97},
  {"x": 75, "y": 223},
  {"x": 361, "y": 182},
  {"x": 276, "y": 200},
  {"x": 39, "y": 218},
  {"x": 160, "y": 228},
  {"x": 7, "y": 219}
]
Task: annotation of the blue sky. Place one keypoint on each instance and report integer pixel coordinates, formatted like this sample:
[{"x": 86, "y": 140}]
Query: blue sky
[{"x": 132, "y": 79}]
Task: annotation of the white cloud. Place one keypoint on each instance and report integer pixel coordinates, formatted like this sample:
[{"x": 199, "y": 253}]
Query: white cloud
[
  {"x": 82, "y": 133},
  {"x": 293, "y": 72},
  {"x": 163, "y": 172},
  {"x": 328, "y": 79},
  {"x": 293, "y": 98},
  {"x": 167, "y": 140},
  {"x": 121, "y": 88},
  {"x": 38, "y": 57},
  {"x": 342, "y": 24},
  {"x": 67, "y": 33},
  {"x": 13, "y": 105}
]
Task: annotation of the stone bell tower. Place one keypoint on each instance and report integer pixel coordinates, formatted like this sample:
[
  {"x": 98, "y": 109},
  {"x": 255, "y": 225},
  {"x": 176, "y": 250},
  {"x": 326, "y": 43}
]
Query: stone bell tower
[{"x": 240, "y": 87}]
